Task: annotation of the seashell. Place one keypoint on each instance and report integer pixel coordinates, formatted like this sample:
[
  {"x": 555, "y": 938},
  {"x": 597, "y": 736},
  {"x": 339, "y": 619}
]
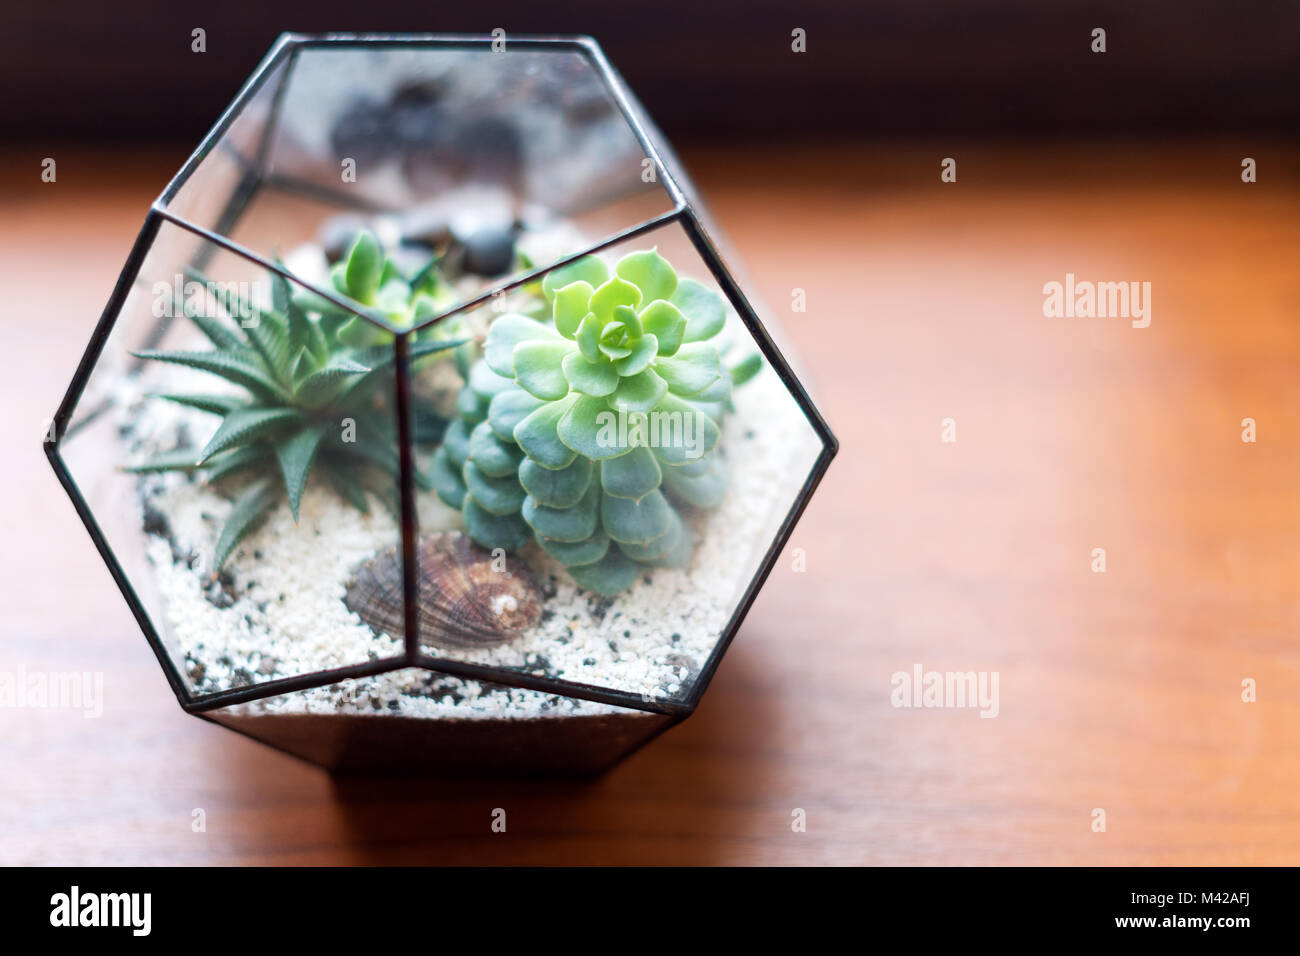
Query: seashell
[{"x": 463, "y": 600}]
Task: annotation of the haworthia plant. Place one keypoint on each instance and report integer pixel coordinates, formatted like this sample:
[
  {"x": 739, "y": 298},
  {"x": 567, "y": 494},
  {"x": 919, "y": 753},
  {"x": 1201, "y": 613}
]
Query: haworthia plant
[
  {"x": 313, "y": 399},
  {"x": 591, "y": 430}
]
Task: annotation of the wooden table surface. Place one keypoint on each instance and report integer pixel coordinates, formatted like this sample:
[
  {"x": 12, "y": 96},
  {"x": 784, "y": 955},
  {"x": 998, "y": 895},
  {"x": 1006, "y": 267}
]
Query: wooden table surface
[{"x": 1119, "y": 690}]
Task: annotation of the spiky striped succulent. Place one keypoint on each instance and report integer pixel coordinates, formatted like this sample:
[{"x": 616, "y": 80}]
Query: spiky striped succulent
[
  {"x": 588, "y": 432},
  {"x": 315, "y": 394}
]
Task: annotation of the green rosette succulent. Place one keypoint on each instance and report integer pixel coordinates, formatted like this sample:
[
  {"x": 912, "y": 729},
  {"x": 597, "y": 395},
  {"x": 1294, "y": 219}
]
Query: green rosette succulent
[{"x": 590, "y": 432}]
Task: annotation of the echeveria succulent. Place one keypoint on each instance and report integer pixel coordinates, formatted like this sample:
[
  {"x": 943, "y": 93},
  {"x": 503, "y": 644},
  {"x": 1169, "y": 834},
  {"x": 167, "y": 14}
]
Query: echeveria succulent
[
  {"x": 590, "y": 431},
  {"x": 313, "y": 400}
]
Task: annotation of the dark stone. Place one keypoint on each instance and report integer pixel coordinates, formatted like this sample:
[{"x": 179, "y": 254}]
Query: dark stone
[{"x": 489, "y": 252}]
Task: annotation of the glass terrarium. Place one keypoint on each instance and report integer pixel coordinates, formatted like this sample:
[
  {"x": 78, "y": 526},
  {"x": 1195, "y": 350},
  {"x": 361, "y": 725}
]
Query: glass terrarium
[{"x": 425, "y": 428}]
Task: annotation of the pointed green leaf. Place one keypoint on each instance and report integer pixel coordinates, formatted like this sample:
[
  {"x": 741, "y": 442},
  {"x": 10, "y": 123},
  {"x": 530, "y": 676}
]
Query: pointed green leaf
[
  {"x": 249, "y": 509},
  {"x": 326, "y": 384},
  {"x": 296, "y": 455},
  {"x": 365, "y": 263},
  {"x": 183, "y": 459},
  {"x": 245, "y": 425},
  {"x": 218, "y": 332},
  {"x": 272, "y": 343},
  {"x": 239, "y": 459},
  {"x": 239, "y": 368},
  {"x": 213, "y": 404},
  {"x": 717, "y": 392}
]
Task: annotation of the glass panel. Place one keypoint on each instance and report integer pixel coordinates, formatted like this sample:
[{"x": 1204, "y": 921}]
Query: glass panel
[
  {"x": 250, "y": 378},
  {"x": 211, "y": 196},
  {"x": 621, "y": 460},
  {"x": 496, "y": 162},
  {"x": 417, "y": 720}
]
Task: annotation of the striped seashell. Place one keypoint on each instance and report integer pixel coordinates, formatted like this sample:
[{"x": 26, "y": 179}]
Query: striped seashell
[{"x": 464, "y": 600}]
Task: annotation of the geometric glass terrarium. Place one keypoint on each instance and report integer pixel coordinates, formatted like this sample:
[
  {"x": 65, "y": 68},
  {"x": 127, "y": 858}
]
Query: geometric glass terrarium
[{"x": 425, "y": 428}]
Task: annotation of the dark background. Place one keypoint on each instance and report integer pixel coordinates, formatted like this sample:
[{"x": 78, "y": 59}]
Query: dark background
[{"x": 86, "y": 69}]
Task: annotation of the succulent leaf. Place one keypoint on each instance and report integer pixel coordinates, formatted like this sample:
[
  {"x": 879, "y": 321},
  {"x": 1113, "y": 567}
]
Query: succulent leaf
[
  {"x": 296, "y": 454},
  {"x": 538, "y": 435},
  {"x": 539, "y": 367},
  {"x": 556, "y": 487},
  {"x": 613, "y": 573},
  {"x": 597, "y": 379},
  {"x": 244, "y": 425},
  {"x": 590, "y": 429},
  {"x": 694, "y": 368},
  {"x": 638, "y": 393},
  {"x": 649, "y": 272},
  {"x": 570, "y": 307},
  {"x": 610, "y": 295},
  {"x": 238, "y": 367},
  {"x": 500, "y": 496},
  {"x": 250, "y": 507},
  {"x": 577, "y": 553},
  {"x": 506, "y": 333},
  {"x": 703, "y": 308},
  {"x": 363, "y": 267},
  {"x": 493, "y": 456},
  {"x": 589, "y": 269},
  {"x": 213, "y": 404}
]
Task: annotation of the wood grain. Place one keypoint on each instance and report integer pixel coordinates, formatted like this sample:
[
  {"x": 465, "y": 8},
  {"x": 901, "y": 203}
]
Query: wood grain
[{"x": 1119, "y": 690}]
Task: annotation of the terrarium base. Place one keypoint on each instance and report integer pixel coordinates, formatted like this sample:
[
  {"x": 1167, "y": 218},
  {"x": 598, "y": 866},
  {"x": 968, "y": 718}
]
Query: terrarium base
[{"x": 392, "y": 744}]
